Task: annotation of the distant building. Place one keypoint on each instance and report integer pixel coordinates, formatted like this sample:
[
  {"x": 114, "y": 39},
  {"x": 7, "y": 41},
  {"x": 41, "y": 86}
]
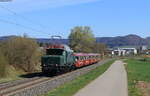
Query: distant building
[
  {"x": 124, "y": 51},
  {"x": 145, "y": 49}
]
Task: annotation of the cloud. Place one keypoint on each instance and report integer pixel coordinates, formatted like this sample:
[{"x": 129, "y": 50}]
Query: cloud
[{"x": 34, "y": 5}]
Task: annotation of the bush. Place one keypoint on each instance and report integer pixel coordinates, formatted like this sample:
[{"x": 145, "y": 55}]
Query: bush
[
  {"x": 22, "y": 53},
  {"x": 3, "y": 65},
  {"x": 143, "y": 59}
]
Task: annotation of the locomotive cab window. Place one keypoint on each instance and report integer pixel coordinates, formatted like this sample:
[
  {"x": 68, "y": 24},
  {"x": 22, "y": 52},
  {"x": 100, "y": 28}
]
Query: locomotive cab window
[{"x": 54, "y": 52}]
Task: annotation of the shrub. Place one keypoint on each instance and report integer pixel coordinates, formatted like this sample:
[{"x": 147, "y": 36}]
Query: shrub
[
  {"x": 22, "y": 53},
  {"x": 3, "y": 65}
]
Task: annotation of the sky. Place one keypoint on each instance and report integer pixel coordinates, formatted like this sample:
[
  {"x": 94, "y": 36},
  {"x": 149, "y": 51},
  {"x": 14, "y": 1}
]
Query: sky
[{"x": 44, "y": 18}]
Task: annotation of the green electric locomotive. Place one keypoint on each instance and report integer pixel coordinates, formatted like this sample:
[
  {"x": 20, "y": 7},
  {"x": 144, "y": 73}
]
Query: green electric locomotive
[{"x": 58, "y": 58}]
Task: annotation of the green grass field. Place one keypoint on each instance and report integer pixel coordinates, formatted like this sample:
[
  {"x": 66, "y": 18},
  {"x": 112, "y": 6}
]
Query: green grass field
[
  {"x": 138, "y": 70},
  {"x": 72, "y": 87}
]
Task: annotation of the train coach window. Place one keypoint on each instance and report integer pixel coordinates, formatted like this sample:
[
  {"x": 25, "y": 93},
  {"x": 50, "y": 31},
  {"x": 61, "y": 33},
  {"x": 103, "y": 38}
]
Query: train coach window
[
  {"x": 77, "y": 57},
  {"x": 82, "y": 58},
  {"x": 54, "y": 52}
]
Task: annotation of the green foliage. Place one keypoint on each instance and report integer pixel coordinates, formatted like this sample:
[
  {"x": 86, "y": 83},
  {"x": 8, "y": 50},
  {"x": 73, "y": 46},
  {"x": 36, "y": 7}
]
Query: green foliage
[
  {"x": 100, "y": 48},
  {"x": 72, "y": 87},
  {"x": 137, "y": 71},
  {"x": 3, "y": 65},
  {"x": 22, "y": 53},
  {"x": 82, "y": 39}
]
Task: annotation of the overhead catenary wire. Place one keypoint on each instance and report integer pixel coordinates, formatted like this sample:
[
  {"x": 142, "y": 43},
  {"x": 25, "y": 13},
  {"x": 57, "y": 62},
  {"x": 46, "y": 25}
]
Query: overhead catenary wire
[
  {"x": 24, "y": 18},
  {"x": 20, "y": 25},
  {"x": 21, "y": 16}
]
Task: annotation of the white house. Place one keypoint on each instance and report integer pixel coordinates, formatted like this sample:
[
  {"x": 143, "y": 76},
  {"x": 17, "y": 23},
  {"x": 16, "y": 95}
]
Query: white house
[{"x": 123, "y": 51}]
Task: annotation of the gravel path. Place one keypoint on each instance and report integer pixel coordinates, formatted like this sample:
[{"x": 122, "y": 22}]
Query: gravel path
[{"x": 112, "y": 83}]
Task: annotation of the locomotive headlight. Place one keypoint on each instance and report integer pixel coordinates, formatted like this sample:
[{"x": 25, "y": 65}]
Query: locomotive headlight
[{"x": 43, "y": 64}]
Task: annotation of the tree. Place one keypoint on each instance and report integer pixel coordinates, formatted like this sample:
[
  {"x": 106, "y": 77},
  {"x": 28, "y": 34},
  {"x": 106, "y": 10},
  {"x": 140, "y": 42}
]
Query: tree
[
  {"x": 100, "y": 48},
  {"x": 81, "y": 39}
]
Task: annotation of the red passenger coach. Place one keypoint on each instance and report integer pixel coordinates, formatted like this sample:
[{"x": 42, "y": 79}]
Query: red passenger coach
[
  {"x": 83, "y": 59},
  {"x": 79, "y": 59}
]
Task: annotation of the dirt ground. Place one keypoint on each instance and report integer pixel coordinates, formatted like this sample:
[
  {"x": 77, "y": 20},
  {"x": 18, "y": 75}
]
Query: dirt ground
[{"x": 144, "y": 87}]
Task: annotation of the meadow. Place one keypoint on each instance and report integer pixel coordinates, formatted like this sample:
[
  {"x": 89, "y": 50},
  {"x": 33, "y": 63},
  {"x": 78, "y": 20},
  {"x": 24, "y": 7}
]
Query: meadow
[{"x": 138, "y": 70}]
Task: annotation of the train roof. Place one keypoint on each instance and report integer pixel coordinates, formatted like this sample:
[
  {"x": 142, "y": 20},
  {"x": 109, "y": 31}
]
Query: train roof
[
  {"x": 59, "y": 46},
  {"x": 86, "y": 54}
]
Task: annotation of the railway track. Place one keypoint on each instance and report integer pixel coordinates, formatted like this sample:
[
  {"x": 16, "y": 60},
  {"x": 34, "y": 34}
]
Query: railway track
[
  {"x": 13, "y": 83},
  {"x": 7, "y": 89}
]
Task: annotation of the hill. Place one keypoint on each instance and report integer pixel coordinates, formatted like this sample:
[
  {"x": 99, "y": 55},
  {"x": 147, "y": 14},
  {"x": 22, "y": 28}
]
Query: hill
[
  {"x": 128, "y": 40},
  {"x": 148, "y": 40}
]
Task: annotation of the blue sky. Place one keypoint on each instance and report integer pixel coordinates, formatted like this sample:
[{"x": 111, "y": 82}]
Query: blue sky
[{"x": 57, "y": 17}]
